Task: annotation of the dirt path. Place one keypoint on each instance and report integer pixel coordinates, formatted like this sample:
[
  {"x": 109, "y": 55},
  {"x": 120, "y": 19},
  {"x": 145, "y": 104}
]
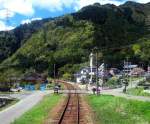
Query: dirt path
[{"x": 86, "y": 112}]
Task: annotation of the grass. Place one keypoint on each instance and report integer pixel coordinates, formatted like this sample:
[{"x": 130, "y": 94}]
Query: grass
[
  {"x": 137, "y": 92},
  {"x": 38, "y": 113},
  {"x": 116, "y": 110},
  {"x": 135, "y": 78}
]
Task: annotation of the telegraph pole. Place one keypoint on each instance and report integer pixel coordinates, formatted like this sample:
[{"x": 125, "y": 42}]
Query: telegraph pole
[
  {"x": 125, "y": 74},
  {"x": 54, "y": 73},
  {"x": 96, "y": 52},
  {"x": 96, "y": 72},
  {"x": 103, "y": 74}
]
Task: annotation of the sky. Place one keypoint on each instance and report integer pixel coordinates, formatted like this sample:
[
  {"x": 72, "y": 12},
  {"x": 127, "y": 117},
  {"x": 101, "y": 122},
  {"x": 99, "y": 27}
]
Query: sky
[{"x": 16, "y": 12}]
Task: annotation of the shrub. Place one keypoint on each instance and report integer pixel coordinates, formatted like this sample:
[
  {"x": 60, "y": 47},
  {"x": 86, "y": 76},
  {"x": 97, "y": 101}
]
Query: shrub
[{"x": 113, "y": 82}]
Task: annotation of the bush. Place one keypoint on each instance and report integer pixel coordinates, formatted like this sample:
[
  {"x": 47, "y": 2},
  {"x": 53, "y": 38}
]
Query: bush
[
  {"x": 67, "y": 76},
  {"x": 138, "y": 91},
  {"x": 113, "y": 82}
]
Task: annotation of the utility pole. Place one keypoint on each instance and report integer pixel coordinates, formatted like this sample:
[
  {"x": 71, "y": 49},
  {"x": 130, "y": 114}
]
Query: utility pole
[
  {"x": 54, "y": 73},
  {"x": 125, "y": 74},
  {"x": 128, "y": 69},
  {"x": 96, "y": 72},
  {"x": 91, "y": 57},
  {"x": 103, "y": 73},
  {"x": 96, "y": 52}
]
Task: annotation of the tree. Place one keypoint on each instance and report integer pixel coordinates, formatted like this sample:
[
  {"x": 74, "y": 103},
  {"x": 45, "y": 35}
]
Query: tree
[{"x": 67, "y": 76}]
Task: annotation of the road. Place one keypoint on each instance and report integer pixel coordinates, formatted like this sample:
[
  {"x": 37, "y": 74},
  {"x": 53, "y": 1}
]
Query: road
[
  {"x": 116, "y": 92},
  {"x": 119, "y": 93},
  {"x": 20, "y": 95},
  {"x": 15, "y": 111}
]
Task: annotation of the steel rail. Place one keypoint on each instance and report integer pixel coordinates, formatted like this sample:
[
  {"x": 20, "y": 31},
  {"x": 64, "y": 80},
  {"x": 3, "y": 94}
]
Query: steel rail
[{"x": 67, "y": 104}]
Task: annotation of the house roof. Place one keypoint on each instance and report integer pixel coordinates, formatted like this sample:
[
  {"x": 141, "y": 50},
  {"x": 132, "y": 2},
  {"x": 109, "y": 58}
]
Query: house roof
[{"x": 33, "y": 77}]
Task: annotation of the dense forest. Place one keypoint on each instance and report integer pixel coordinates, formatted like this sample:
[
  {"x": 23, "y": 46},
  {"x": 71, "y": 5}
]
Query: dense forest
[
  {"x": 10, "y": 41},
  {"x": 117, "y": 32}
]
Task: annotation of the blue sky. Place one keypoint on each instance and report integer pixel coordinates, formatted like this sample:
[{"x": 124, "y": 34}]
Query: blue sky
[{"x": 24, "y": 11}]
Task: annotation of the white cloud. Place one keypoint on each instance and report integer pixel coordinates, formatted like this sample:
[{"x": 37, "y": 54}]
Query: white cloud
[
  {"x": 4, "y": 27},
  {"x": 53, "y": 5},
  {"x": 23, "y": 7},
  {"x": 26, "y": 21},
  {"x": 142, "y": 1},
  {"x": 27, "y": 7},
  {"x": 82, "y": 3},
  {"x": 4, "y": 13}
]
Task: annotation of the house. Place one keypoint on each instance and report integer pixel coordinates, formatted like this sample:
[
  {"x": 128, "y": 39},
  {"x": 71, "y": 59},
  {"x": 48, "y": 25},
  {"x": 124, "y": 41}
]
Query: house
[
  {"x": 87, "y": 74},
  {"x": 137, "y": 72},
  {"x": 84, "y": 73},
  {"x": 129, "y": 67}
]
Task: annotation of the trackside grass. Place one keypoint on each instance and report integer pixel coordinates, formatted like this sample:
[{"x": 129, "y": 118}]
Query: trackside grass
[
  {"x": 39, "y": 112},
  {"x": 137, "y": 92},
  {"x": 116, "y": 110}
]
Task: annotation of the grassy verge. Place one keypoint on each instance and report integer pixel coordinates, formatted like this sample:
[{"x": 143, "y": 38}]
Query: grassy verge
[
  {"x": 39, "y": 112},
  {"x": 135, "y": 78},
  {"x": 137, "y": 92},
  {"x": 116, "y": 110}
]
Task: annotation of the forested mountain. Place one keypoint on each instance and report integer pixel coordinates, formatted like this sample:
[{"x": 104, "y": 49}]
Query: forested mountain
[
  {"x": 117, "y": 31},
  {"x": 10, "y": 41}
]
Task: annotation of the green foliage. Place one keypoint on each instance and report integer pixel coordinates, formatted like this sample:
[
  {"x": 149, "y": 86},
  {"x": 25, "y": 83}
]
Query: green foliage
[
  {"x": 137, "y": 49},
  {"x": 113, "y": 82},
  {"x": 67, "y": 76},
  {"x": 67, "y": 41},
  {"x": 142, "y": 49},
  {"x": 12, "y": 40},
  {"x": 60, "y": 48},
  {"x": 137, "y": 92}
]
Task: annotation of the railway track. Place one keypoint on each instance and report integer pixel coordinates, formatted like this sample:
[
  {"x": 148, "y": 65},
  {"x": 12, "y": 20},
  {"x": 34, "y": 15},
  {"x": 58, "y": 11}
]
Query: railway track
[{"x": 71, "y": 112}]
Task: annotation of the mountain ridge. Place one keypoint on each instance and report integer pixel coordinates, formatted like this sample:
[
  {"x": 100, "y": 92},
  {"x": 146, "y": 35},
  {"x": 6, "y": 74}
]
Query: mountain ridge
[{"x": 68, "y": 40}]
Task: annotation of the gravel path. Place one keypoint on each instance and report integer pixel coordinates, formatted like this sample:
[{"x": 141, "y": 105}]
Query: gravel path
[{"x": 15, "y": 111}]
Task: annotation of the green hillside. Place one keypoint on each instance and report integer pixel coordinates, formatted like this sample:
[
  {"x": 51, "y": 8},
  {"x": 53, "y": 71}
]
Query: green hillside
[
  {"x": 117, "y": 31},
  {"x": 10, "y": 41}
]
